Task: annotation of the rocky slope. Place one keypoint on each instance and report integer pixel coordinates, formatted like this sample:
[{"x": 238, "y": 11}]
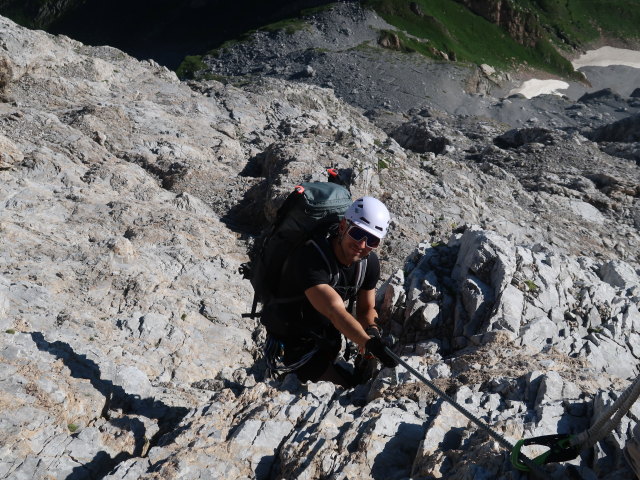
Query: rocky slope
[
  {"x": 163, "y": 30},
  {"x": 327, "y": 51},
  {"x": 129, "y": 199}
]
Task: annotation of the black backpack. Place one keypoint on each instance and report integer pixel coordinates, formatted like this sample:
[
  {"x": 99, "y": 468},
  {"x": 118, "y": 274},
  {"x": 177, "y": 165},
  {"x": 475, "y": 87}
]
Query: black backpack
[{"x": 308, "y": 213}]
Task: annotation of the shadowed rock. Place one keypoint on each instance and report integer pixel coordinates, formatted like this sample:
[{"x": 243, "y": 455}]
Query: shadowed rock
[{"x": 626, "y": 130}]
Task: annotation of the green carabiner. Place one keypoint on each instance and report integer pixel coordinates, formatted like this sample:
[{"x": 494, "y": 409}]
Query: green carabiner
[{"x": 560, "y": 450}]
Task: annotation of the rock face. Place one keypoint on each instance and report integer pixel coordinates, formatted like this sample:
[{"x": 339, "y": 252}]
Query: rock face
[
  {"x": 40, "y": 14},
  {"x": 626, "y": 130},
  {"x": 129, "y": 200},
  {"x": 526, "y": 370},
  {"x": 521, "y": 25}
]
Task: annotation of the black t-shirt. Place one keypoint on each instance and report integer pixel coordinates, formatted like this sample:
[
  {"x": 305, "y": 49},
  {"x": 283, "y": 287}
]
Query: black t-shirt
[{"x": 306, "y": 268}]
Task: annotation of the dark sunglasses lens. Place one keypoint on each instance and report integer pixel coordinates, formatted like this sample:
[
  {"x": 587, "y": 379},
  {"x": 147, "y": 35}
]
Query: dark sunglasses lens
[
  {"x": 372, "y": 241},
  {"x": 358, "y": 234}
]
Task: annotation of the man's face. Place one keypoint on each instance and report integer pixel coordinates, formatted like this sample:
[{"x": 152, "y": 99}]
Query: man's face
[{"x": 355, "y": 242}]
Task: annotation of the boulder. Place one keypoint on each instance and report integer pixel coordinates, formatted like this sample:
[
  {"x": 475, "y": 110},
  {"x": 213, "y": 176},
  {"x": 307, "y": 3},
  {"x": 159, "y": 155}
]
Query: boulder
[
  {"x": 619, "y": 274},
  {"x": 626, "y": 130},
  {"x": 518, "y": 137}
]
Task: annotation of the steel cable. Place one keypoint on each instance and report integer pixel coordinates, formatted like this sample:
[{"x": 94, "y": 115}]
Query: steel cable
[{"x": 536, "y": 469}]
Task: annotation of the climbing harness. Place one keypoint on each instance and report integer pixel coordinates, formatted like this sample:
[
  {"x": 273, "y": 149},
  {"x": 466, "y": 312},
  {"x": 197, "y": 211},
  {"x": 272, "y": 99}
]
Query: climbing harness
[
  {"x": 533, "y": 467},
  {"x": 568, "y": 447}
]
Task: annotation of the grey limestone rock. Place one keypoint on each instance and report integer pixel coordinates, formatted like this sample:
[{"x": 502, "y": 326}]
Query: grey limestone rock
[
  {"x": 539, "y": 333},
  {"x": 619, "y": 274},
  {"x": 129, "y": 200}
]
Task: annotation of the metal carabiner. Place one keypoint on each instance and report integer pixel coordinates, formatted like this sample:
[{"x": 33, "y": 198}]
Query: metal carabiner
[{"x": 560, "y": 450}]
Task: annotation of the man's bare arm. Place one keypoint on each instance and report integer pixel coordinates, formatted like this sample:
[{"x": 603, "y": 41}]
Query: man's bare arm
[
  {"x": 365, "y": 308},
  {"x": 327, "y": 301}
]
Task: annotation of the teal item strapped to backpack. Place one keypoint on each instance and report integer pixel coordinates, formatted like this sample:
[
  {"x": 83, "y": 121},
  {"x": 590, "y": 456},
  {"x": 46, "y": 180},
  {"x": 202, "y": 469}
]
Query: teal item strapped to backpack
[{"x": 309, "y": 211}]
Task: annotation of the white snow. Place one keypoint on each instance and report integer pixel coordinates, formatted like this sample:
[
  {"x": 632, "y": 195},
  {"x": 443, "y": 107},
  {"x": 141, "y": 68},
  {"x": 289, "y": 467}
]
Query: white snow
[
  {"x": 534, "y": 87},
  {"x": 605, "y": 56},
  {"x": 602, "y": 57}
]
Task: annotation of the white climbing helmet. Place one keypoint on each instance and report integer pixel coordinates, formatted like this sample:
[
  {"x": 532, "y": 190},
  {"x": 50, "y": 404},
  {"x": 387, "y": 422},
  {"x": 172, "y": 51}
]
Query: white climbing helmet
[{"x": 370, "y": 214}]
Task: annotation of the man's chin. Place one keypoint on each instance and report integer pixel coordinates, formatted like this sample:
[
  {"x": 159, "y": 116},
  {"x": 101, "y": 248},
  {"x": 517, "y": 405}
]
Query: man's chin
[
  {"x": 351, "y": 255},
  {"x": 358, "y": 256}
]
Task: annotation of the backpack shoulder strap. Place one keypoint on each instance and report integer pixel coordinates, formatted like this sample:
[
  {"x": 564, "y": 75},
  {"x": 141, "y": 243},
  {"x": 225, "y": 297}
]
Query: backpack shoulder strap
[
  {"x": 334, "y": 274},
  {"x": 322, "y": 245},
  {"x": 362, "y": 270},
  {"x": 333, "y": 267}
]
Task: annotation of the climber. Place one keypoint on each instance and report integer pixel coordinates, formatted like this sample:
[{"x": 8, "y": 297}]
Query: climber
[{"x": 315, "y": 323}]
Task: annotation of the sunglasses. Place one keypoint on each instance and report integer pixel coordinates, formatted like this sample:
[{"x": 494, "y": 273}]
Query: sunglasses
[{"x": 358, "y": 234}]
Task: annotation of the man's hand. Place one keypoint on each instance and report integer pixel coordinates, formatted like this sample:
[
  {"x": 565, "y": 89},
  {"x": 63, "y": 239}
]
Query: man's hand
[
  {"x": 376, "y": 346},
  {"x": 373, "y": 331}
]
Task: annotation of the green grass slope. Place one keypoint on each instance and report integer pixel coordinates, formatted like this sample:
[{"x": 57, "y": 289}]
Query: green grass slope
[
  {"x": 470, "y": 30},
  {"x": 507, "y": 34},
  {"x": 579, "y": 22}
]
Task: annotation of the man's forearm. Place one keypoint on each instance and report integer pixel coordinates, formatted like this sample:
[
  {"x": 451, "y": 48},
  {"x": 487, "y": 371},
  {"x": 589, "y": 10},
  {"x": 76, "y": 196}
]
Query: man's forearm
[
  {"x": 365, "y": 308},
  {"x": 326, "y": 301},
  {"x": 350, "y": 327},
  {"x": 368, "y": 319}
]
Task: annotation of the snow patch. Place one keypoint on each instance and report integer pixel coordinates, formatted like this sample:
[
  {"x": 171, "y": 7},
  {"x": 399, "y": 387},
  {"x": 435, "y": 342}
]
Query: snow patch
[
  {"x": 606, "y": 56},
  {"x": 534, "y": 87}
]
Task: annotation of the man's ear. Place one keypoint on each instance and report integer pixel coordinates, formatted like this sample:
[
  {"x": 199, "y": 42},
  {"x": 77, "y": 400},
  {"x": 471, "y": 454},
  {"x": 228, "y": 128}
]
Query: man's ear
[{"x": 343, "y": 225}]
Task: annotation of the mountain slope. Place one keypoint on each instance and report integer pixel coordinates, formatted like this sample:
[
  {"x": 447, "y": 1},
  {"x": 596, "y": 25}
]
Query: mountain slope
[
  {"x": 163, "y": 30},
  {"x": 348, "y": 48},
  {"x": 503, "y": 33},
  {"x": 129, "y": 199}
]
